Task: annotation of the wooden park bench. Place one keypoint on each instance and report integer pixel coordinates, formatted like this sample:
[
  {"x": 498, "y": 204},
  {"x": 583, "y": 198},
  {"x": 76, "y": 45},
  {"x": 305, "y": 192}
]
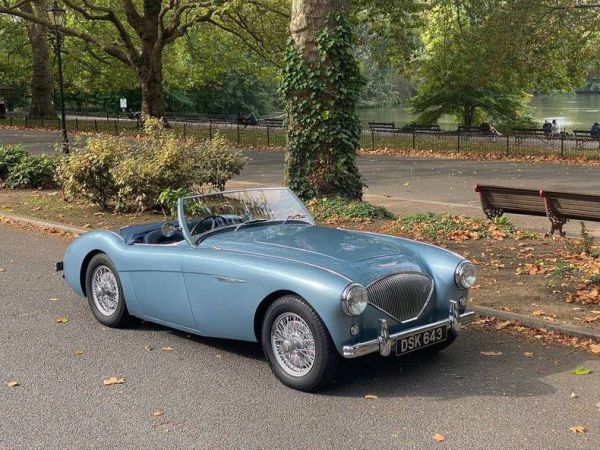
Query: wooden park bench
[
  {"x": 520, "y": 134},
  {"x": 583, "y": 136},
  {"x": 273, "y": 123},
  {"x": 558, "y": 207},
  {"x": 382, "y": 127},
  {"x": 415, "y": 128}
]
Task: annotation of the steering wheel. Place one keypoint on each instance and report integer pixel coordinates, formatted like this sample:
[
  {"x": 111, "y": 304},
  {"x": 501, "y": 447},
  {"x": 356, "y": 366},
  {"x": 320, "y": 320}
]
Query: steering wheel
[{"x": 216, "y": 222}]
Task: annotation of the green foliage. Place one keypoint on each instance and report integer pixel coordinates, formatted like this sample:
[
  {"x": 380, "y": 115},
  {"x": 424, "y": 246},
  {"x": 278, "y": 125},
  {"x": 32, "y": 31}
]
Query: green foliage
[
  {"x": 585, "y": 243},
  {"x": 87, "y": 172},
  {"x": 581, "y": 371},
  {"x": 562, "y": 268},
  {"x": 218, "y": 162},
  {"x": 481, "y": 60},
  {"x": 323, "y": 132},
  {"x": 324, "y": 209},
  {"x": 168, "y": 199},
  {"x": 143, "y": 174},
  {"x": 32, "y": 172},
  {"x": 595, "y": 279},
  {"x": 9, "y": 157},
  {"x": 504, "y": 223}
]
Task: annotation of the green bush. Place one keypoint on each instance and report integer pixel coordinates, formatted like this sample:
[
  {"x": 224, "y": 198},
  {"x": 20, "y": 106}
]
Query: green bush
[
  {"x": 324, "y": 209},
  {"x": 9, "y": 157},
  {"x": 131, "y": 174},
  {"x": 32, "y": 172},
  {"x": 87, "y": 172},
  {"x": 169, "y": 197},
  {"x": 218, "y": 162}
]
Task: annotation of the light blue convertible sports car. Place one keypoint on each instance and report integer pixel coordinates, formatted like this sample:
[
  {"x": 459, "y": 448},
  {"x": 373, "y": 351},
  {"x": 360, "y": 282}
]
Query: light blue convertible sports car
[{"x": 252, "y": 265}]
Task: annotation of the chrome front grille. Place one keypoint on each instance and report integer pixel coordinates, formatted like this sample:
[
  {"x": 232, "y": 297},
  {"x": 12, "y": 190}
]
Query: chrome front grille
[{"x": 401, "y": 295}]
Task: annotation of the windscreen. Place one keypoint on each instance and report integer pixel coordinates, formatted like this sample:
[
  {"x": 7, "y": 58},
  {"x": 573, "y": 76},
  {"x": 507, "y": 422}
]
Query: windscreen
[{"x": 204, "y": 213}]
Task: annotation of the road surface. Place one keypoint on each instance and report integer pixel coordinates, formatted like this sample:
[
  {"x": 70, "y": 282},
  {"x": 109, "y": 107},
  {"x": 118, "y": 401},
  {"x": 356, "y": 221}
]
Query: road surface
[{"x": 218, "y": 393}]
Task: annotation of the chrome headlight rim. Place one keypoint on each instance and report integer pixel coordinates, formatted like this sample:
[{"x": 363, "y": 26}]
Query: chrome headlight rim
[
  {"x": 464, "y": 270},
  {"x": 349, "y": 306}
]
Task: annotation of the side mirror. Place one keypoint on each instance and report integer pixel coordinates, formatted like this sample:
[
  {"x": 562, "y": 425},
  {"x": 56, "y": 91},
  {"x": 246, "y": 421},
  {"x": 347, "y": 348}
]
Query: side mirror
[{"x": 168, "y": 229}]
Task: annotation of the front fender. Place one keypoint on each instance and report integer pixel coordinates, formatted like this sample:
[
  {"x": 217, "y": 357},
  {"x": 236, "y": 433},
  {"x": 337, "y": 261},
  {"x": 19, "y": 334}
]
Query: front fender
[{"x": 80, "y": 250}]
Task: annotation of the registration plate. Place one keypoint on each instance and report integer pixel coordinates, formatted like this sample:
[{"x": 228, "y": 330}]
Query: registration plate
[{"x": 421, "y": 340}]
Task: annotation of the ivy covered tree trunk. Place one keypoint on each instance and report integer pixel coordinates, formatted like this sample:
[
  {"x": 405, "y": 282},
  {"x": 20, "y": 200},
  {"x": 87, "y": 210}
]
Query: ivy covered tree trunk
[
  {"x": 41, "y": 77},
  {"x": 321, "y": 84}
]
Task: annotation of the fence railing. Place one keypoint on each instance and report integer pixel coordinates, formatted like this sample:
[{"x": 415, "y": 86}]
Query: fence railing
[{"x": 269, "y": 134}]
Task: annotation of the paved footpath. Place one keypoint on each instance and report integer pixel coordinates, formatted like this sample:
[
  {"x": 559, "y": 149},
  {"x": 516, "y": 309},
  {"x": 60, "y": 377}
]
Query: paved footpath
[
  {"x": 218, "y": 393},
  {"x": 407, "y": 185}
]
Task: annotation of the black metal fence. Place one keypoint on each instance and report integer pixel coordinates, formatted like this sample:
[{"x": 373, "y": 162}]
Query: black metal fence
[{"x": 272, "y": 133}]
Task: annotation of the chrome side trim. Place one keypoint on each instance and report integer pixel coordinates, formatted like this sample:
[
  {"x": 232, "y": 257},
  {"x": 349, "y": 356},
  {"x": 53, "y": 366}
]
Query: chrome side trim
[
  {"x": 384, "y": 342},
  {"x": 228, "y": 279}
]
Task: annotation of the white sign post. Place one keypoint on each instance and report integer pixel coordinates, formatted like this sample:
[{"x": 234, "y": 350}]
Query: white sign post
[{"x": 123, "y": 103}]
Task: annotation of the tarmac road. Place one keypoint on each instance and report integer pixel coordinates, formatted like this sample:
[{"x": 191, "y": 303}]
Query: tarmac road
[{"x": 221, "y": 394}]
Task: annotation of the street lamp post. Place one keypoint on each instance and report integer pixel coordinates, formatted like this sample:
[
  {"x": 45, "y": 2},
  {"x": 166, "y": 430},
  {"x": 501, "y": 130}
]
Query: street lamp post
[{"x": 57, "y": 17}]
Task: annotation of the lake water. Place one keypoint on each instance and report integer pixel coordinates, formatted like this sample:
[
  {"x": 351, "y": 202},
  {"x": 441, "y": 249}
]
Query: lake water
[{"x": 573, "y": 112}]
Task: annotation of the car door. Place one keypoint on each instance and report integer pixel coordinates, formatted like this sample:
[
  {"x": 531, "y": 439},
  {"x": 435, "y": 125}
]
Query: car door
[
  {"x": 157, "y": 280},
  {"x": 222, "y": 298}
]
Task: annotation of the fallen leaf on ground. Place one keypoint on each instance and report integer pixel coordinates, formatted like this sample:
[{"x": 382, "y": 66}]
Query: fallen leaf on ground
[
  {"x": 371, "y": 397},
  {"x": 581, "y": 371},
  {"x": 578, "y": 429},
  {"x": 62, "y": 320},
  {"x": 491, "y": 353},
  {"x": 13, "y": 383},
  {"x": 598, "y": 405},
  {"x": 538, "y": 312},
  {"x": 528, "y": 354},
  {"x": 53, "y": 299},
  {"x": 574, "y": 395},
  {"x": 78, "y": 352},
  {"x": 439, "y": 437},
  {"x": 595, "y": 348},
  {"x": 113, "y": 380},
  {"x": 148, "y": 348},
  {"x": 167, "y": 349},
  {"x": 2, "y": 269},
  {"x": 158, "y": 413},
  {"x": 503, "y": 325}
]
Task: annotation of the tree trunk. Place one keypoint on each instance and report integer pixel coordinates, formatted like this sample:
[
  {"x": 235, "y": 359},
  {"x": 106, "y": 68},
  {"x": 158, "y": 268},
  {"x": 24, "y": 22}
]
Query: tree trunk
[
  {"x": 323, "y": 129},
  {"x": 469, "y": 112},
  {"x": 41, "y": 78},
  {"x": 152, "y": 90}
]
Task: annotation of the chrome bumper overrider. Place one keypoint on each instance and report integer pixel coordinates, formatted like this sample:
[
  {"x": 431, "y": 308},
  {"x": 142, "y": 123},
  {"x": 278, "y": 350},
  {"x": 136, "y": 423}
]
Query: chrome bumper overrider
[{"x": 384, "y": 342}]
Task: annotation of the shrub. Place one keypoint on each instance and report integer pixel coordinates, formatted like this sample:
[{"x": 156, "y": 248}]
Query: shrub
[
  {"x": 133, "y": 174},
  {"x": 9, "y": 157},
  {"x": 153, "y": 164},
  {"x": 168, "y": 199},
  {"x": 87, "y": 172},
  {"x": 32, "y": 172},
  {"x": 218, "y": 162},
  {"x": 324, "y": 209}
]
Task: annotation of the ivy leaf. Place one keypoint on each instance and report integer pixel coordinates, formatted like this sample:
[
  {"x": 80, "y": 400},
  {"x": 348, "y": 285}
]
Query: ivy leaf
[
  {"x": 581, "y": 371},
  {"x": 325, "y": 115}
]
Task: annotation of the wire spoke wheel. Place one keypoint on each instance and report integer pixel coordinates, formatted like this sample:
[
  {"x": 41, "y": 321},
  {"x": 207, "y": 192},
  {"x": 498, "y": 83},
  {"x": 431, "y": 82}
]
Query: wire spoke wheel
[
  {"x": 293, "y": 344},
  {"x": 105, "y": 290}
]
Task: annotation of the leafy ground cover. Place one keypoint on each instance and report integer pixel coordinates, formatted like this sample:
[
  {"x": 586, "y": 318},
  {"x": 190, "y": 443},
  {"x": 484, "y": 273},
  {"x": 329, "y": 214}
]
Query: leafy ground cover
[{"x": 556, "y": 280}]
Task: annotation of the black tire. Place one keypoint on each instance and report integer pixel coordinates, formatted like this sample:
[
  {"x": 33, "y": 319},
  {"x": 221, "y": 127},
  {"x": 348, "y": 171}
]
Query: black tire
[
  {"x": 120, "y": 316},
  {"x": 326, "y": 359}
]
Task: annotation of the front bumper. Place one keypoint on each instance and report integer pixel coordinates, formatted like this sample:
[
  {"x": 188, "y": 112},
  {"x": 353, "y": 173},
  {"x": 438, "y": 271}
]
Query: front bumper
[{"x": 384, "y": 342}]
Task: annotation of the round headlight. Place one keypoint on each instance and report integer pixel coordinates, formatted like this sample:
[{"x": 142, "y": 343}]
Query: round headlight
[
  {"x": 465, "y": 275},
  {"x": 354, "y": 300}
]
